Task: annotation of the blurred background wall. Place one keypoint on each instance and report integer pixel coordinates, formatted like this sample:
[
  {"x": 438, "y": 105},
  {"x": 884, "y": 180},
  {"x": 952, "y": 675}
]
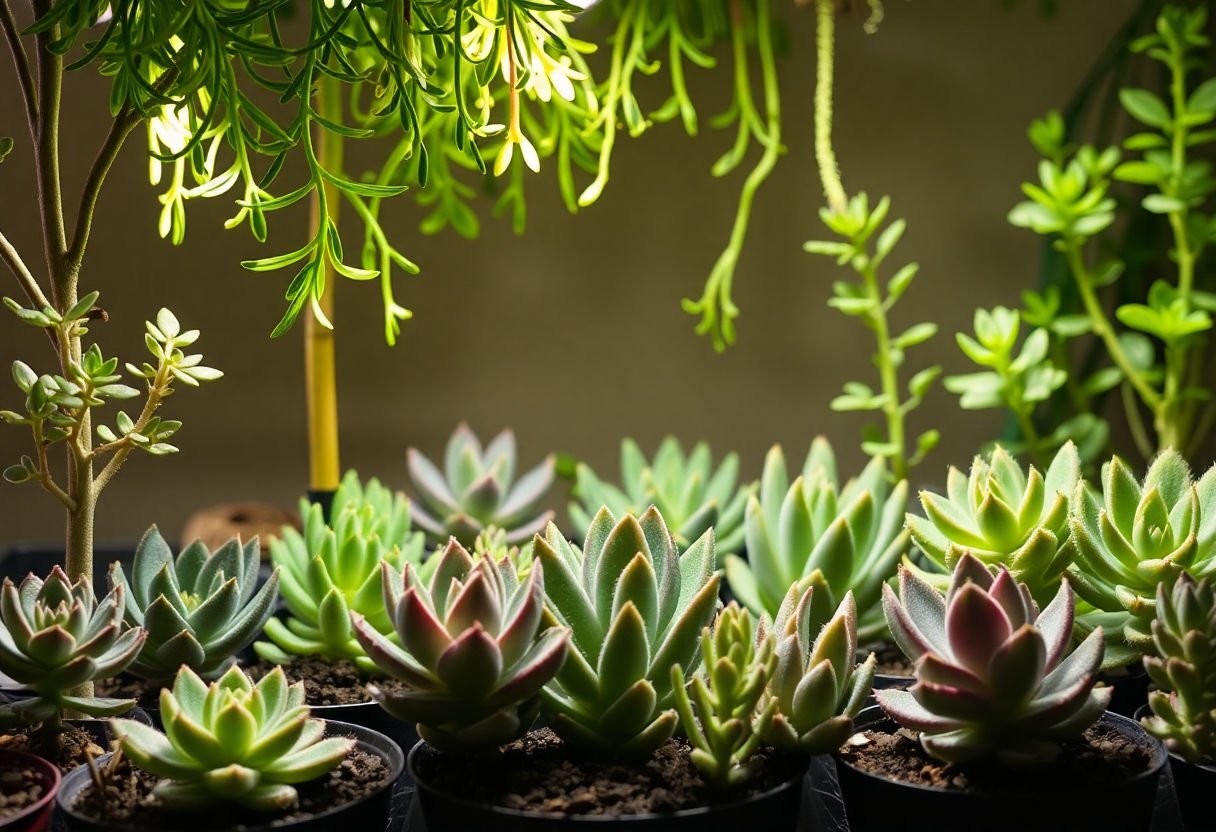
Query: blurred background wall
[{"x": 573, "y": 334}]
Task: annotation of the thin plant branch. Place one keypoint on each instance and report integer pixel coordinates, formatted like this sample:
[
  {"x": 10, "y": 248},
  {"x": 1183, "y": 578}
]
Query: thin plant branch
[
  {"x": 126, "y": 122},
  {"x": 21, "y": 62},
  {"x": 11, "y": 257}
]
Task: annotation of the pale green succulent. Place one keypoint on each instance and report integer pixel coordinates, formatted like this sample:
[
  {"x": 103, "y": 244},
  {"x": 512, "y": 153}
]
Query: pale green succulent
[
  {"x": 1134, "y": 536},
  {"x": 816, "y": 532},
  {"x": 687, "y": 490},
  {"x": 492, "y": 544},
  {"x": 635, "y": 607},
  {"x": 199, "y": 609},
  {"x": 232, "y": 741},
  {"x": 329, "y": 571}
]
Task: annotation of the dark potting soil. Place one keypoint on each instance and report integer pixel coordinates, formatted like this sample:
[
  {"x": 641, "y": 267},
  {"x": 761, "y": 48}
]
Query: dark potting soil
[
  {"x": 67, "y": 749},
  {"x": 126, "y": 797},
  {"x": 1103, "y": 756},
  {"x": 125, "y": 686},
  {"x": 891, "y": 661},
  {"x": 19, "y": 788},
  {"x": 539, "y": 773},
  {"x": 325, "y": 682}
]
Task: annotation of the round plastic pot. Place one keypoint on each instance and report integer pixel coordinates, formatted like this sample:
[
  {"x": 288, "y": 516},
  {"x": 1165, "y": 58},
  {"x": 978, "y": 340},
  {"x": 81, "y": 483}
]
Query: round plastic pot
[
  {"x": 370, "y": 715},
  {"x": 37, "y": 816},
  {"x": 1194, "y": 786},
  {"x": 370, "y": 813},
  {"x": 874, "y": 802},
  {"x": 1130, "y": 690},
  {"x": 99, "y": 729},
  {"x": 776, "y": 810},
  {"x": 884, "y": 681}
]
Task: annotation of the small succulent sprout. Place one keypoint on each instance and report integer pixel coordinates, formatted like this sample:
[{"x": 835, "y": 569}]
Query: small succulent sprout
[
  {"x": 635, "y": 607},
  {"x": 690, "y": 493},
  {"x": 814, "y": 532},
  {"x": 994, "y": 677},
  {"x": 199, "y": 609},
  {"x": 329, "y": 571},
  {"x": 816, "y": 689},
  {"x": 1184, "y": 668},
  {"x": 474, "y": 649},
  {"x": 1133, "y": 537},
  {"x": 1005, "y": 517},
  {"x": 718, "y": 707},
  {"x": 492, "y": 544},
  {"x": 477, "y": 489},
  {"x": 232, "y": 741},
  {"x": 55, "y": 636}
]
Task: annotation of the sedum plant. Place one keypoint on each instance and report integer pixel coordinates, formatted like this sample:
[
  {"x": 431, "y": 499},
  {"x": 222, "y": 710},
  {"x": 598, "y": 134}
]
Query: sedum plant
[
  {"x": 1134, "y": 536},
  {"x": 199, "y": 609},
  {"x": 472, "y": 646},
  {"x": 819, "y": 532},
  {"x": 815, "y": 690},
  {"x": 635, "y": 607},
  {"x": 477, "y": 489},
  {"x": 328, "y": 571},
  {"x": 688, "y": 491},
  {"x": 232, "y": 741},
  {"x": 55, "y": 637},
  {"x": 994, "y": 675},
  {"x": 1004, "y": 516},
  {"x": 1183, "y": 667},
  {"x": 717, "y": 708}
]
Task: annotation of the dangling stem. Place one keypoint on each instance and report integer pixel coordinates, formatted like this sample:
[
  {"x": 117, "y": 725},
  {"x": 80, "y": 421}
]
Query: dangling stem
[{"x": 825, "y": 156}]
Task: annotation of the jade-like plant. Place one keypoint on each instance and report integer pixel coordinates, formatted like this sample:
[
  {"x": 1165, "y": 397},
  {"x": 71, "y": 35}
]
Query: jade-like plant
[
  {"x": 472, "y": 646},
  {"x": 329, "y": 571},
  {"x": 55, "y": 636},
  {"x": 1134, "y": 536},
  {"x": 816, "y": 689},
  {"x": 1004, "y": 516},
  {"x": 635, "y": 607},
  {"x": 717, "y": 708},
  {"x": 477, "y": 489},
  {"x": 690, "y": 493},
  {"x": 819, "y": 532},
  {"x": 1183, "y": 667},
  {"x": 232, "y": 741},
  {"x": 994, "y": 675},
  {"x": 199, "y": 609}
]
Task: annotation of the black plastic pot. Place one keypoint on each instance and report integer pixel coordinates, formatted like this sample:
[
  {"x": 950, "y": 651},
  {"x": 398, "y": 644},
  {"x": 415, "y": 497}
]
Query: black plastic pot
[
  {"x": 370, "y": 813},
  {"x": 884, "y": 681},
  {"x": 873, "y": 802},
  {"x": 775, "y": 810},
  {"x": 99, "y": 729},
  {"x": 1130, "y": 686},
  {"x": 37, "y": 816},
  {"x": 1194, "y": 787},
  {"x": 371, "y": 716}
]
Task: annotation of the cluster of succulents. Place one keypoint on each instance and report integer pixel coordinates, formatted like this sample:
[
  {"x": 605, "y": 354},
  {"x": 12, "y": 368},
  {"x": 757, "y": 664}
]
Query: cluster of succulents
[
  {"x": 477, "y": 488},
  {"x": 994, "y": 675},
  {"x": 691, "y": 494},
  {"x": 816, "y": 532},
  {"x": 472, "y": 644},
  {"x": 330, "y": 570},
  {"x": 198, "y": 609},
  {"x": 57, "y": 638},
  {"x": 1183, "y": 667},
  {"x": 232, "y": 741}
]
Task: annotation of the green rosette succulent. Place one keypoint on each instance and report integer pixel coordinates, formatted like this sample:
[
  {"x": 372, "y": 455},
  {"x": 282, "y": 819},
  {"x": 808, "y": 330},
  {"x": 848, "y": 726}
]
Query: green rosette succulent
[
  {"x": 473, "y": 649},
  {"x": 994, "y": 675},
  {"x": 635, "y": 607},
  {"x": 814, "y": 532},
  {"x": 477, "y": 488},
  {"x": 56, "y": 636},
  {"x": 199, "y": 609},
  {"x": 717, "y": 708},
  {"x": 1003, "y": 516},
  {"x": 816, "y": 689},
  {"x": 1183, "y": 667},
  {"x": 690, "y": 493},
  {"x": 492, "y": 544},
  {"x": 232, "y": 741},
  {"x": 329, "y": 571},
  {"x": 1133, "y": 537}
]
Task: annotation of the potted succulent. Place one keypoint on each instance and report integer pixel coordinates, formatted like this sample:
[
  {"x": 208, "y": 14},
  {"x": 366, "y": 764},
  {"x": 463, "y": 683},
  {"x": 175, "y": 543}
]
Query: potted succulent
[
  {"x": 1003, "y": 720},
  {"x": 30, "y": 785},
  {"x": 250, "y": 754}
]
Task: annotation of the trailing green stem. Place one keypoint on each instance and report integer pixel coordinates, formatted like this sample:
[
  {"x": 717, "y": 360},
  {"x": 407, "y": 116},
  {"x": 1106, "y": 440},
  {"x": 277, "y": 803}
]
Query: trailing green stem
[{"x": 825, "y": 155}]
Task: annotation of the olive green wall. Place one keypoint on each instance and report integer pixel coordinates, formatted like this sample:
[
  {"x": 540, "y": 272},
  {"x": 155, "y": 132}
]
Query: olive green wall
[{"x": 573, "y": 334}]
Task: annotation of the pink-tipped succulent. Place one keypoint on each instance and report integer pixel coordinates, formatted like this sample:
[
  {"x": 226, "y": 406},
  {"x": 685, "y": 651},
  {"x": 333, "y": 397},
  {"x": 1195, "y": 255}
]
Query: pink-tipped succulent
[
  {"x": 994, "y": 677},
  {"x": 474, "y": 649}
]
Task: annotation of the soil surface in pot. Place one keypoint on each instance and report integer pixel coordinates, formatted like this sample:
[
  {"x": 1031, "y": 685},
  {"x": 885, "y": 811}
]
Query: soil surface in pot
[
  {"x": 127, "y": 797},
  {"x": 891, "y": 661},
  {"x": 539, "y": 773},
  {"x": 67, "y": 749},
  {"x": 1102, "y": 757},
  {"x": 19, "y": 788},
  {"x": 125, "y": 686},
  {"x": 326, "y": 682}
]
